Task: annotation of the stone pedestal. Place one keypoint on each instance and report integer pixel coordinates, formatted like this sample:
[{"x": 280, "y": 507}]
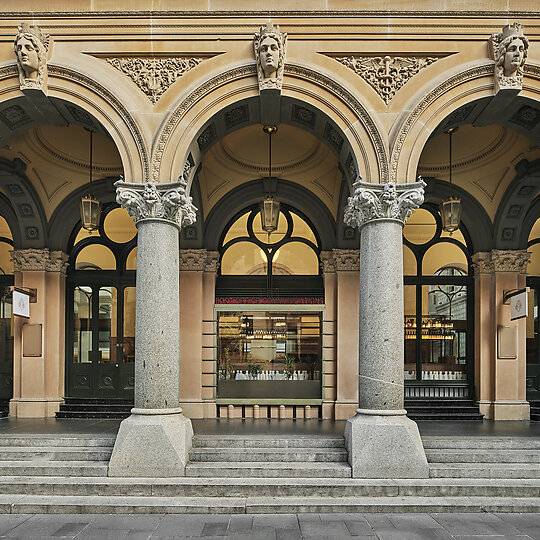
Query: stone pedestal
[
  {"x": 382, "y": 442},
  {"x": 155, "y": 440}
]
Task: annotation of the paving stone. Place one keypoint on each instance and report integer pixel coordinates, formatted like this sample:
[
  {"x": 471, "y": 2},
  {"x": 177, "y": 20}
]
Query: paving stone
[
  {"x": 9, "y": 522},
  {"x": 413, "y": 522},
  {"x": 70, "y": 529},
  {"x": 278, "y": 521},
  {"x": 491, "y": 537},
  {"x": 330, "y": 529},
  {"x": 215, "y": 529},
  {"x": 470, "y": 524},
  {"x": 186, "y": 525},
  {"x": 359, "y": 528},
  {"x": 288, "y": 534},
  {"x": 131, "y": 522},
  {"x": 421, "y": 534},
  {"x": 103, "y": 534},
  {"x": 240, "y": 523},
  {"x": 257, "y": 533}
]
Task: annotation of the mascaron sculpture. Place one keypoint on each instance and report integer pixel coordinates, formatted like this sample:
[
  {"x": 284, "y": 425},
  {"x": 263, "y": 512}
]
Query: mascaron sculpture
[
  {"x": 509, "y": 50},
  {"x": 31, "y": 47},
  {"x": 270, "y": 46}
]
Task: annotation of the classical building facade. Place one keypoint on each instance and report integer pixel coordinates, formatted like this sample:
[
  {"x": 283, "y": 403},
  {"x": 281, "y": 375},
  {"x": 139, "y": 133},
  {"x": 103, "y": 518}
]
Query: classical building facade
[{"x": 186, "y": 295}]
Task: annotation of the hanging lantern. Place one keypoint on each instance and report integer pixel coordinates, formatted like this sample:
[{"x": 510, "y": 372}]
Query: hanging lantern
[
  {"x": 450, "y": 214},
  {"x": 451, "y": 208},
  {"x": 269, "y": 206},
  {"x": 90, "y": 213},
  {"x": 90, "y": 207},
  {"x": 269, "y": 214}
]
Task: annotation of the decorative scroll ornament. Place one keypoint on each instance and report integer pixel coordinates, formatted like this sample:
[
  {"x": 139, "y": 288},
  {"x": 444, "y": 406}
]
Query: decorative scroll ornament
[
  {"x": 31, "y": 47},
  {"x": 154, "y": 75},
  {"x": 346, "y": 260},
  {"x": 270, "y": 47},
  {"x": 482, "y": 263},
  {"x": 212, "y": 261},
  {"x": 43, "y": 260},
  {"x": 383, "y": 201},
  {"x": 509, "y": 50},
  {"x": 192, "y": 259},
  {"x": 384, "y": 73},
  {"x": 157, "y": 201}
]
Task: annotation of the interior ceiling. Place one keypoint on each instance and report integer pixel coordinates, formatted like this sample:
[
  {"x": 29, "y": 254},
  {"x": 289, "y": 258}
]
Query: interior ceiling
[
  {"x": 483, "y": 160},
  {"x": 57, "y": 160},
  {"x": 297, "y": 156}
]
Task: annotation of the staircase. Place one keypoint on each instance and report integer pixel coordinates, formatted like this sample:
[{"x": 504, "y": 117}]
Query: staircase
[
  {"x": 452, "y": 409},
  {"x": 535, "y": 410},
  {"x": 267, "y": 474},
  {"x": 95, "y": 408}
]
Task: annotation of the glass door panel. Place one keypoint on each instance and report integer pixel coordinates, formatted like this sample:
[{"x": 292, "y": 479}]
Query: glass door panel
[
  {"x": 82, "y": 331},
  {"x": 533, "y": 342},
  {"x": 410, "y": 332},
  {"x": 6, "y": 343},
  {"x": 129, "y": 326}
]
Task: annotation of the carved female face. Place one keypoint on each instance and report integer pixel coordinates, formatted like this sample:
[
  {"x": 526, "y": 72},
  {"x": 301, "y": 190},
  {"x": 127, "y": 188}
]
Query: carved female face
[
  {"x": 513, "y": 57},
  {"x": 28, "y": 57},
  {"x": 269, "y": 56}
]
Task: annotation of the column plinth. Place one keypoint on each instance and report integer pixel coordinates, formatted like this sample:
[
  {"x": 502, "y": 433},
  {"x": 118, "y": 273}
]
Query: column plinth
[
  {"x": 382, "y": 442},
  {"x": 155, "y": 440}
]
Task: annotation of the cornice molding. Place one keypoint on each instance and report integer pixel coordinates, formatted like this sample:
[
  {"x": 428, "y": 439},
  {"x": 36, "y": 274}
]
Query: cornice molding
[
  {"x": 39, "y": 260},
  {"x": 501, "y": 260}
]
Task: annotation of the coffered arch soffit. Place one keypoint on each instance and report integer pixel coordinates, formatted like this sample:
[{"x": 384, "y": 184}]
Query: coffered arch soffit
[
  {"x": 466, "y": 96},
  {"x": 311, "y": 100},
  {"x": 74, "y": 97}
]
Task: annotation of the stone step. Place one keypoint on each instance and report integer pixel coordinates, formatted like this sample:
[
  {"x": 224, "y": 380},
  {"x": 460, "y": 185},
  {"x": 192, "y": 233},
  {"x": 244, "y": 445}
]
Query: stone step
[
  {"x": 92, "y": 414},
  {"x": 53, "y": 468},
  {"x": 269, "y": 470},
  {"x": 457, "y": 417},
  {"x": 484, "y": 470},
  {"x": 53, "y": 453},
  {"x": 56, "y": 441},
  {"x": 40, "y": 504},
  {"x": 269, "y": 455},
  {"x": 268, "y": 441},
  {"x": 468, "y": 455},
  {"x": 484, "y": 443},
  {"x": 268, "y": 487}
]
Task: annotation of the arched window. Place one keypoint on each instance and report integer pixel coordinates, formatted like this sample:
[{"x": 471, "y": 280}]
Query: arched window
[
  {"x": 101, "y": 310},
  {"x": 6, "y": 323},
  {"x": 532, "y": 321},
  {"x": 282, "y": 263},
  {"x": 438, "y": 301}
]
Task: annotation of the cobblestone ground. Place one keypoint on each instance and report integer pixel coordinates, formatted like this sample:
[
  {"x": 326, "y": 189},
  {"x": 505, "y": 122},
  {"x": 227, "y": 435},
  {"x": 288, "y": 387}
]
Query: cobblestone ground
[{"x": 273, "y": 527}]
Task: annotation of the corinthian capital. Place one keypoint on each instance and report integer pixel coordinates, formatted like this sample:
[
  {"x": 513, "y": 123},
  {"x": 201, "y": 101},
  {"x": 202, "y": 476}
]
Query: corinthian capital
[
  {"x": 168, "y": 202},
  {"x": 383, "y": 201}
]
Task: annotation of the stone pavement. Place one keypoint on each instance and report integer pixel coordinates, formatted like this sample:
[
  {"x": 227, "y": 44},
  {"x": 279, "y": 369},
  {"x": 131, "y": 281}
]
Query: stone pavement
[{"x": 272, "y": 527}]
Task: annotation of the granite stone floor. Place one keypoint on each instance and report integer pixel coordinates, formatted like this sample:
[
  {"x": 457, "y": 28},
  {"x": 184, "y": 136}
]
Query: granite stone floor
[
  {"x": 267, "y": 427},
  {"x": 273, "y": 527}
]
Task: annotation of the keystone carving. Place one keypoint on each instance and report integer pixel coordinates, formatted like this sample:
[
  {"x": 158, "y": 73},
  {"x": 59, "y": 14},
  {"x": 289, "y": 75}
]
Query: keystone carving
[
  {"x": 383, "y": 201},
  {"x": 270, "y": 47},
  {"x": 509, "y": 50},
  {"x": 386, "y": 74},
  {"x": 39, "y": 260},
  {"x": 157, "y": 201},
  {"x": 154, "y": 75},
  {"x": 31, "y": 48}
]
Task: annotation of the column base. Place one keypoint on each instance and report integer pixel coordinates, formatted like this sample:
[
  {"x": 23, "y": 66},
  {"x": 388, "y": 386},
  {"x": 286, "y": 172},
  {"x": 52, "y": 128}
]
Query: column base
[
  {"x": 152, "y": 443},
  {"x": 385, "y": 444},
  {"x": 34, "y": 407},
  {"x": 505, "y": 410}
]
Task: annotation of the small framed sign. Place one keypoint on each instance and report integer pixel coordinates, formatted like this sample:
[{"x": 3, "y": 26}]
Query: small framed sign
[
  {"x": 21, "y": 303},
  {"x": 518, "y": 305}
]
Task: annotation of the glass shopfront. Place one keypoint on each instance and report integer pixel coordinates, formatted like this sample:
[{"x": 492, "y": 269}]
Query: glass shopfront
[
  {"x": 438, "y": 301},
  {"x": 269, "y": 354},
  {"x": 532, "y": 321}
]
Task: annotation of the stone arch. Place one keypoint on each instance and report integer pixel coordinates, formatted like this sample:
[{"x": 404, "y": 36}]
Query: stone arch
[
  {"x": 511, "y": 228},
  {"x": 67, "y": 214},
  {"x": 250, "y": 193},
  {"x": 201, "y": 117},
  {"x": 75, "y": 98},
  {"x": 29, "y": 225},
  {"x": 474, "y": 216}
]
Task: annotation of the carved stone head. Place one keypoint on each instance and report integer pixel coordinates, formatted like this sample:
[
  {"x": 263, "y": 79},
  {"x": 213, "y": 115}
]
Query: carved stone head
[
  {"x": 31, "y": 47},
  {"x": 509, "y": 49},
  {"x": 270, "y": 47}
]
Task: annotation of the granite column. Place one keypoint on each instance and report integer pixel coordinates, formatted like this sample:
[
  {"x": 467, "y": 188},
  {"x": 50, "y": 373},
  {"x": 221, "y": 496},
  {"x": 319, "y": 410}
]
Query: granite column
[
  {"x": 155, "y": 440},
  {"x": 381, "y": 440}
]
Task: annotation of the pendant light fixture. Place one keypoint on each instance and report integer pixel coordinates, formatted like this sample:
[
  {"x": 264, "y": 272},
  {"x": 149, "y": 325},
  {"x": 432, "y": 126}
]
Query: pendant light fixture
[
  {"x": 451, "y": 208},
  {"x": 269, "y": 205},
  {"x": 90, "y": 207}
]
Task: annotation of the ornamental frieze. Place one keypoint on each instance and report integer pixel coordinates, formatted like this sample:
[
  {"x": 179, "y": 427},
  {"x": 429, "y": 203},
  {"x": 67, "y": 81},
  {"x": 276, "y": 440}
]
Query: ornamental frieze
[
  {"x": 43, "y": 260},
  {"x": 386, "y": 74},
  {"x": 506, "y": 260},
  {"x": 154, "y": 75}
]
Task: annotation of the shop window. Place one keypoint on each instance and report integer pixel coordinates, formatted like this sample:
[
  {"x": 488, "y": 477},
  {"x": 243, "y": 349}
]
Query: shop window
[
  {"x": 532, "y": 320},
  {"x": 438, "y": 300},
  {"x": 6, "y": 319}
]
